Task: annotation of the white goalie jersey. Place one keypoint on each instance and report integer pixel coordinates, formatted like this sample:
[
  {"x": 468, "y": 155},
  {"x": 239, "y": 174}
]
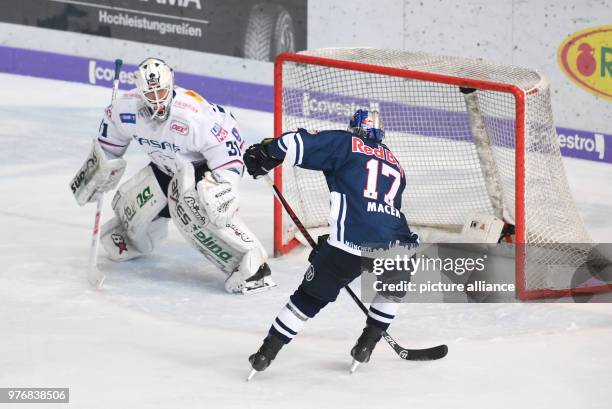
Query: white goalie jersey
[
  {"x": 195, "y": 130},
  {"x": 195, "y": 150}
]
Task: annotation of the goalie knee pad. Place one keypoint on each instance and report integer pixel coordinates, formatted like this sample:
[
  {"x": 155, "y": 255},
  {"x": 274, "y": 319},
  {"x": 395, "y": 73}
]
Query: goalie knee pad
[
  {"x": 136, "y": 227},
  {"x": 120, "y": 246},
  {"x": 157, "y": 231},
  {"x": 138, "y": 201},
  {"x": 115, "y": 241}
]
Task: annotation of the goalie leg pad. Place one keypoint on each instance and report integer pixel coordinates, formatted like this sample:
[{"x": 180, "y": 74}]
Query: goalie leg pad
[
  {"x": 195, "y": 226},
  {"x": 120, "y": 247},
  {"x": 253, "y": 273},
  {"x": 233, "y": 248},
  {"x": 115, "y": 241},
  {"x": 138, "y": 201}
]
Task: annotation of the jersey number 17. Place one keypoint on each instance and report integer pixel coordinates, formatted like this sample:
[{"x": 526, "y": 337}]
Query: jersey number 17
[{"x": 373, "y": 167}]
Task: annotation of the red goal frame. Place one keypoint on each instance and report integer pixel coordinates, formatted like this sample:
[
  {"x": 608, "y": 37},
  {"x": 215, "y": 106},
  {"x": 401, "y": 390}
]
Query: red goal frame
[{"x": 519, "y": 95}]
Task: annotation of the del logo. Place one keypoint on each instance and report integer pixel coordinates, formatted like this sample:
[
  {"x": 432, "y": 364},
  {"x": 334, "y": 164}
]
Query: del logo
[
  {"x": 179, "y": 127},
  {"x": 586, "y": 58}
]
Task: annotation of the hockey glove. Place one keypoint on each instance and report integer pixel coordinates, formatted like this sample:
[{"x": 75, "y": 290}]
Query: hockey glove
[{"x": 257, "y": 159}]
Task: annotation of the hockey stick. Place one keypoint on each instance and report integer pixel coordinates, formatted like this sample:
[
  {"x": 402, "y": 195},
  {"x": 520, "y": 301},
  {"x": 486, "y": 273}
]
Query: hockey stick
[
  {"x": 409, "y": 354},
  {"x": 94, "y": 275}
]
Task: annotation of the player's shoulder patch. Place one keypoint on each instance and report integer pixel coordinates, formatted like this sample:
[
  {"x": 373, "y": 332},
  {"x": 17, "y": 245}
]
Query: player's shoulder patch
[
  {"x": 126, "y": 107},
  {"x": 188, "y": 100},
  {"x": 219, "y": 132},
  {"x": 127, "y": 117}
]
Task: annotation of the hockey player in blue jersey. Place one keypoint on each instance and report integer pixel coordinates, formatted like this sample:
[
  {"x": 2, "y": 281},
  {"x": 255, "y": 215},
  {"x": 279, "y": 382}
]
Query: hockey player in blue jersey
[{"x": 366, "y": 183}]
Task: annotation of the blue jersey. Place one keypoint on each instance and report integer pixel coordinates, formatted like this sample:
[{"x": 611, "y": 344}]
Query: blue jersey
[{"x": 366, "y": 183}]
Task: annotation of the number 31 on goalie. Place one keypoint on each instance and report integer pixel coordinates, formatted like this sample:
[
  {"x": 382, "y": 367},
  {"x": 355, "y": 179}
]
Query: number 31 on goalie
[{"x": 371, "y": 191}]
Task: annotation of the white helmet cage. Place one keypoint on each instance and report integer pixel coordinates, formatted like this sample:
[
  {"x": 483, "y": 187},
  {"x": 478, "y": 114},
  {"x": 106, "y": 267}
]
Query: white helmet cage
[{"x": 155, "y": 81}]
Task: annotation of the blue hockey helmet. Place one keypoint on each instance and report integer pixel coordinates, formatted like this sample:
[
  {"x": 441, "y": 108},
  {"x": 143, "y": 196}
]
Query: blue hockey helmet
[{"x": 367, "y": 124}]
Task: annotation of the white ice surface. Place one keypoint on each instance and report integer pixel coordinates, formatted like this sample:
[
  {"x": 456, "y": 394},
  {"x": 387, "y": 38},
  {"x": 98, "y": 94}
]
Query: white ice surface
[{"x": 164, "y": 334}]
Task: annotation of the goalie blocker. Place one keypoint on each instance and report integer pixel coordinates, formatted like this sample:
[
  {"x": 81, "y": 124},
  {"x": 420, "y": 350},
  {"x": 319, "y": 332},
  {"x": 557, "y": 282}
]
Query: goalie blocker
[{"x": 97, "y": 175}]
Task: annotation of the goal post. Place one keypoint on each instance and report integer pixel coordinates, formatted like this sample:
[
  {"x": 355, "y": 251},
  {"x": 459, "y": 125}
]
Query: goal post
[{"x": 472, "y": 136}]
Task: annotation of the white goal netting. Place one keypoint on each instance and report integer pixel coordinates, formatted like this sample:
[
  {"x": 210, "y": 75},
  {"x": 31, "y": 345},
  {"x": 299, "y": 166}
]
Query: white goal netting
[{"x": 458, "y": 149}]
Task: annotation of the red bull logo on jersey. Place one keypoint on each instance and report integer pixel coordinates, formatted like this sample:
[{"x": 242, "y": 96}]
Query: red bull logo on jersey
[
  {"x": 586, "y": 58},
  {"x": 381, "y": 152}
]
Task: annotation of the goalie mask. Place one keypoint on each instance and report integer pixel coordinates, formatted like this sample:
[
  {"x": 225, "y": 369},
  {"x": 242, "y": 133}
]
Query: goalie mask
[
  {"x": 155, "y": 81},
  {"x": 367, "y": 124}
]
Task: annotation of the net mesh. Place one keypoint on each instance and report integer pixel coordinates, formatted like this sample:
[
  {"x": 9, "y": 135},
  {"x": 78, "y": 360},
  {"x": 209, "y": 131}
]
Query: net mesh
[{"x": 437, "y": 133}]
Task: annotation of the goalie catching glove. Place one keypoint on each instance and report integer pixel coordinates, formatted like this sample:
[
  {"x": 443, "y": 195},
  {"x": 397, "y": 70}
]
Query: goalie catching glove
[
  {"x": 97, "y": 175},
  {"x": 258, "y": 160}
]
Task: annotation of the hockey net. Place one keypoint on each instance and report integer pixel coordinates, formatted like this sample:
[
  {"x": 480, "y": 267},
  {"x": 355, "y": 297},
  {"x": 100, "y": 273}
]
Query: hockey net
[{"x": 491, "y": 149}]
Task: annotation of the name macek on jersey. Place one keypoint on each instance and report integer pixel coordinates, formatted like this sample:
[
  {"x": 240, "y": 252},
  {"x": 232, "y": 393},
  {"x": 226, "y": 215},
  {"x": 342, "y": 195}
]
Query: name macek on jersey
[{"x": 383, "y": 208}]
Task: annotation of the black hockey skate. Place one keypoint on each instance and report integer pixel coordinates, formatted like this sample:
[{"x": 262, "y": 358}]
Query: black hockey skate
[
  {"x": 366, "y": 342},
  {"x": 260, "y": 281},
  {"x": 262, "y": 359}
]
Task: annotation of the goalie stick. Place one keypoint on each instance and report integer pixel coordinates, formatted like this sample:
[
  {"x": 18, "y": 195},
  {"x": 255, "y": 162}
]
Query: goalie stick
[
  {"x": 94, "y": 275},
  {"x": 408, "y": 354}
]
